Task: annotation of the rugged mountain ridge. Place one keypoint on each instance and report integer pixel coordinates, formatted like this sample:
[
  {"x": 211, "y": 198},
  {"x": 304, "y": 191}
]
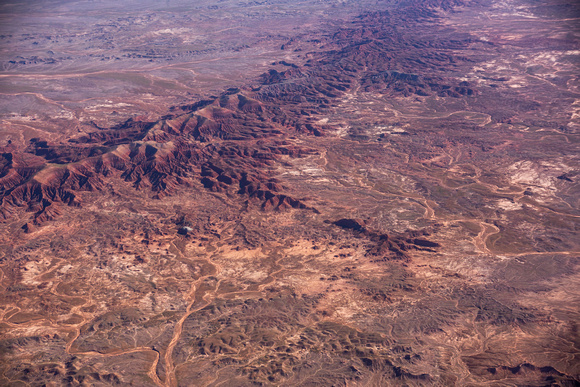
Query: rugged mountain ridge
[
  {"x": 395, "y": 205},
  {"x": 247, "y": 129}
]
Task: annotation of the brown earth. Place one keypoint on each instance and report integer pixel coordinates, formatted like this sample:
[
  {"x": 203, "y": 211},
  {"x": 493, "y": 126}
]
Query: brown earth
[{"x": 396, "y": 205}]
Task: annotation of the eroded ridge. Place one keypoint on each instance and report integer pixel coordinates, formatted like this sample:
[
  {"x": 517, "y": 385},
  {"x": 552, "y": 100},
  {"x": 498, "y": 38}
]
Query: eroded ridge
[{"x": 394, "y": 201}]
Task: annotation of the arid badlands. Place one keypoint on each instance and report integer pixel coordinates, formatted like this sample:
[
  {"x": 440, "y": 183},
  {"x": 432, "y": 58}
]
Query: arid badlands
[{"x": 290, "y": 193}]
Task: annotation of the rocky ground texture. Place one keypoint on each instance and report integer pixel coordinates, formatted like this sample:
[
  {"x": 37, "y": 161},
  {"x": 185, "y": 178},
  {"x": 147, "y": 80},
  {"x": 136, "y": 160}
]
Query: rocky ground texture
[{"x": 392, "y": 199}]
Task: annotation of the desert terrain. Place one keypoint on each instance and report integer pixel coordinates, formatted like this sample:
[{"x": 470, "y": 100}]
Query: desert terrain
[{"x": 274, "y": 193}]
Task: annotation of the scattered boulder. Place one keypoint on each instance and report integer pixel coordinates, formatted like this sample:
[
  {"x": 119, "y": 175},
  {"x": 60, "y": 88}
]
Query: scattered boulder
[{"x": 184, "y": 230}]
